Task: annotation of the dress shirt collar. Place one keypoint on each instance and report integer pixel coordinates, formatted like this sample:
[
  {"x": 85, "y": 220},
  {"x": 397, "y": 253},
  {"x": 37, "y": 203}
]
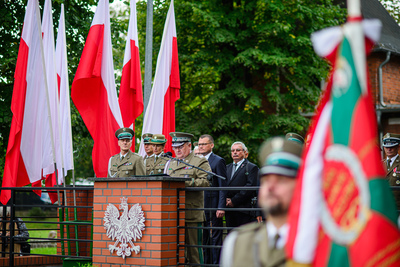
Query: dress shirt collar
[
  {"x": 272, "y": 231},
  {"x": 208, "y": 155}
]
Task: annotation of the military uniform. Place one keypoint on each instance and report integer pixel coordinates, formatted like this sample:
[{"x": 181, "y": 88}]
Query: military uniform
[
  {"x": 131, "y": 165},
  {"x": 393, "y": 171},
  {"x": 149, "y": 163},
  {"x": 194, "y": 199},
  {"x": 157, "y": 166},
  {"x": 248, "y": 246}
]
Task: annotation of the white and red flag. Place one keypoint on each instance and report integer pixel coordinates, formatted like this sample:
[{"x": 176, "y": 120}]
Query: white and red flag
[
  {"x": 94, "y": 93},
  {"x": 29, "y": 149},
  {"x": 130, "y": 94},
  {"x": 51, "y": 76},
  {"x": 160, "y": 112},
  {"x": 343, "y": 212},
  {"x": 64, "y": 97}
]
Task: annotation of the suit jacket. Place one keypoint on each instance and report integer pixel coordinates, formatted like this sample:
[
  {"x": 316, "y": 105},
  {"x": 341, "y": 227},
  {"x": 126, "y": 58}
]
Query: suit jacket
[
  {"x": 393, "y": 176},
  {"x": 248, "y": 246},
  {"x": 131, "y": 165},
  {"x": 216, "y": 199},
  {"x": 245, "y": 175},
  {"x": 194, "y": 199}
]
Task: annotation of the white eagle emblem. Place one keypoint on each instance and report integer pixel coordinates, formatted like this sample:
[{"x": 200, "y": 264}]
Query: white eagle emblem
[{"x": 125, "y": 228}]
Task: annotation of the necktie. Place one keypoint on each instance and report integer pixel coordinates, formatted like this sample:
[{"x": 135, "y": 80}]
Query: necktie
[
  {"x": 388, "y": 163},
  {"x": 234, "y": 169},
  {"x": 276, "y": 238}
]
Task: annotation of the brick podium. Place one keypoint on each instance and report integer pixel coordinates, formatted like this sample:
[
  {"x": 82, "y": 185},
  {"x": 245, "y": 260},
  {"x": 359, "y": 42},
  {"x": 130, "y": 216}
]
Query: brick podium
[{"x": 157, "y": 195}]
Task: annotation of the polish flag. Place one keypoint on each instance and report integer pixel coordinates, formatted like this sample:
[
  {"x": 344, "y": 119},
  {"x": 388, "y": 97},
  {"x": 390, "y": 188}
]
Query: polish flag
[
  {"x": 94, "y": 93},
  {"x": 29, "y": 148},
  {"x": 51, "y": 75},
  {"x": 160, "y": 112},
  {"x": 63, "y": 91},
  {"x": 131, "y": 95}
]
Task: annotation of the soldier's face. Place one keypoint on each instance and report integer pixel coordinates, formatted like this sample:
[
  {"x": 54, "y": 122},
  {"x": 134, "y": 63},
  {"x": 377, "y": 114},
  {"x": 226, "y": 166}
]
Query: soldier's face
[
  {"x": 125, "y": 145},
  {"x": 391, "y": 151},
  {"x": 275, "y": 195},
  {"x": 205, "y": 146},
  {"x": 182, "y": 151},
  {"x": 148, "y": 148},
  {"x": 157, "y": 149}
]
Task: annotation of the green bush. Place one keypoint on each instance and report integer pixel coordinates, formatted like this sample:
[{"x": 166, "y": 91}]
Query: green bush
[{"x": 38, "y": 213}]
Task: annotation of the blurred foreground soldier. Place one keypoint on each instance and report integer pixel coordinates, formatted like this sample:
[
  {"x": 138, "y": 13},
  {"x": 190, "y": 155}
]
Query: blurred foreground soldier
[
  {"x": 240, "y": 173},
  {"x": 213, "y": 199},
  {"x": 126, "y": 163},
  {"x": 262, "y": 244},
  {"x": 21, "y": 234},
  {"x": 295, "y": 138},
  {"x": 392, "y": 162},
  {"x": 157, "y": 163},
  {"x": 194, "y": 199}
]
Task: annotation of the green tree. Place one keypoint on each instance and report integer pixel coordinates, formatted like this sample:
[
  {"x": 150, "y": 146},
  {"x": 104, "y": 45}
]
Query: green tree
[{"x": 393, "y": 7}]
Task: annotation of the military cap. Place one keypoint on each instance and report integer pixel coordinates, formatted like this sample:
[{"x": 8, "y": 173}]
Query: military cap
[
  {"x": 280, "y": 156},
  {"x": 391, "y": 140},
  {"x": 146, "y": 138},
  {"x": 295, "y": 137},
  {"x": 179, "y": 138},
  {"x": 124, "y": 133},
  {"x": 158, "y": 139}
]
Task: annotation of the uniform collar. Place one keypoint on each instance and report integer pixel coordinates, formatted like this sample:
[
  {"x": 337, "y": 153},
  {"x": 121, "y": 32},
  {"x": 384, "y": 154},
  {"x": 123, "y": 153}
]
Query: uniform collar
[{"x": 272, "y": 231}]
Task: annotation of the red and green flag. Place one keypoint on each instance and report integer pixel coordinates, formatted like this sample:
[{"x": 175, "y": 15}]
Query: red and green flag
[{"x": 343, "y": 211}]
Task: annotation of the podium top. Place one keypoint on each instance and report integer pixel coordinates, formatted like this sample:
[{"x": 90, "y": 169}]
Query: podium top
[{"x": 164, "y": 178}]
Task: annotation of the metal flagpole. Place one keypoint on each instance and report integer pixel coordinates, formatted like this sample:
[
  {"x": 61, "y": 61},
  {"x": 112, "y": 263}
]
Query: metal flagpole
[{"x": 148, "y": 73}]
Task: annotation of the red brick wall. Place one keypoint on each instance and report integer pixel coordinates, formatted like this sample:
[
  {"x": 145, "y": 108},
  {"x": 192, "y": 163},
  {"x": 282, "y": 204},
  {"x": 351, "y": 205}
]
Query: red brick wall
[
  {"x": 83, "y": 198},
  {"x": 159, "y": 204},
  {"x": 390, "y": 77},
  {"x": 32, "y": 260}
]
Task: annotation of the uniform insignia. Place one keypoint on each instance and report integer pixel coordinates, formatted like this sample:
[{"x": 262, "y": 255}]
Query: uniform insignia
[
  {"x": 188, "y": 168},
  {"x": 129, "y": 163},
  {"x": 398, "y": 182}
]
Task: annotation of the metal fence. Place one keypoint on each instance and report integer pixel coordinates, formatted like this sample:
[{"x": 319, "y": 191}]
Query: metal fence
[{"x": 56, "y": 232}]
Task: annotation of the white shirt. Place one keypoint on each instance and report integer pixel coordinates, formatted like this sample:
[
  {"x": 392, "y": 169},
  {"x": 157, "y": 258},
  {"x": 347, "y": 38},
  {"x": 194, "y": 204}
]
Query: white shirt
[
  {"x": 272, "y": 231},
  {"x": 392, "y": 159},
  {"x": 208, "y": 155}
]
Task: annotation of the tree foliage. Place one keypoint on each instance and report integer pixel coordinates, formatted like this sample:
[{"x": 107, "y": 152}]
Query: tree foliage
[{"x": 248, "y": 70}]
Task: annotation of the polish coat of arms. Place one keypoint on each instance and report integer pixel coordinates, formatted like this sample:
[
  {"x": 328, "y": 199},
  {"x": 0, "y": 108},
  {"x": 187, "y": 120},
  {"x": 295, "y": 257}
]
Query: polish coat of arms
[{"x": 124, "y": 228}]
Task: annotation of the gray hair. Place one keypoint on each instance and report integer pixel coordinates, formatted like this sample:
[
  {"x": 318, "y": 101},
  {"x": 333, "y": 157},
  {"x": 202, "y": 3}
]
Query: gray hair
[{"x": 240, "y": 143}]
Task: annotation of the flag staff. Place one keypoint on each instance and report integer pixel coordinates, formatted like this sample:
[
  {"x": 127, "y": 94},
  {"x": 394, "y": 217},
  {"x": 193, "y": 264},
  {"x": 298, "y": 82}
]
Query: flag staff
[
  {"x": 148, "y": 73},
  {"x": 353, "y": 8}
]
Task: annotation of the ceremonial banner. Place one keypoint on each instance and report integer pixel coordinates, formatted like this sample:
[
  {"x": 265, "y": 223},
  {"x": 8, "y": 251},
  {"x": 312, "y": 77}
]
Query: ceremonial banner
[
  {"x": 94, "y": 93},
  {"x": 160, "y": 113},
  {"x": 131, "y": 95},
  {"x": 343, "y": 211},
  {"x": 29, "y": 149}
]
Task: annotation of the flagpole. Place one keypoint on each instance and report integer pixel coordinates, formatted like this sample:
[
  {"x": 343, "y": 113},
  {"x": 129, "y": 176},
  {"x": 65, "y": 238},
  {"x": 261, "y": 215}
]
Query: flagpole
[
  {"x": 148, "y": 56},
  {"x": 47, "y": 92},
  {"x": 353, "y": 8}
]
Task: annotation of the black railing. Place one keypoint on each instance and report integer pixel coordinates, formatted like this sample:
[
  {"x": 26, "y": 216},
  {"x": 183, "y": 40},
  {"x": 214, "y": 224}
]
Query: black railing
[{"x": 70, "y": 224}]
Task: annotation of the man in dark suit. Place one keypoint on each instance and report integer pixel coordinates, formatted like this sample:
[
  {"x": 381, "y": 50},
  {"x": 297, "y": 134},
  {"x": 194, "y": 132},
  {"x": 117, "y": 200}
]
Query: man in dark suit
[
  {"x": 240, "y": 173},
  {"x": 213, "y": 199}
]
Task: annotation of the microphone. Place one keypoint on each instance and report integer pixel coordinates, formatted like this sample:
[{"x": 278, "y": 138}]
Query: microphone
[{"x": 167, "y": 154}]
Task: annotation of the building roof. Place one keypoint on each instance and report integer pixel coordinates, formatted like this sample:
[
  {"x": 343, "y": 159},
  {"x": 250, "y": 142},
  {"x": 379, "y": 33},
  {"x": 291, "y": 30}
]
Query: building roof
[{"x": 390, "y": 35}]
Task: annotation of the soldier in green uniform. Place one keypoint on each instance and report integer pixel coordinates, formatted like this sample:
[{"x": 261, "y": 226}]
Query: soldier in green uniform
[
  {"x": 148, "y": 148},
  {"x": 157, "y": 166},
  {"x": 262, "y": 244},
  {"x": 126, "y": 163},
  {"x": 392, "y": 162},
  {"x": 181, "y": 144}
]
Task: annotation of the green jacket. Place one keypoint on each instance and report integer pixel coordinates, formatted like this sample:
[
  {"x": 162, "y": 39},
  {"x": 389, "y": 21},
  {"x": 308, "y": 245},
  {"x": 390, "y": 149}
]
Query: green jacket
[
  {"x": 156, "y": 167},
  {"x": 194, "y": 199},
  {"x": 248, "y": 246},
  {"x": 393, "y": 176},
  {"x": 131, "y": 165}
]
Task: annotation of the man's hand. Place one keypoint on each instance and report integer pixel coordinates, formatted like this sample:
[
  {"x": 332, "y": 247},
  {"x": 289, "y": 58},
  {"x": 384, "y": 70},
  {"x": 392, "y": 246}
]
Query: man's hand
[
  {"x": 259, "y": 219},
  {"x": 220, "y": 213},
  {"x": 229, "y": 203}
]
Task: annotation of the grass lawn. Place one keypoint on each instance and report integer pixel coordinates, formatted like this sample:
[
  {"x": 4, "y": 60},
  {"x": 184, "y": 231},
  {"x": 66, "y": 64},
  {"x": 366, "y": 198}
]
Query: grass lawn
[{"x": 41, "y": 230}]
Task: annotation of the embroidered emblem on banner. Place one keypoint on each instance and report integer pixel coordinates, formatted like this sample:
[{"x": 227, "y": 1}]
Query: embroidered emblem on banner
[{"x": 124, "y": 228}]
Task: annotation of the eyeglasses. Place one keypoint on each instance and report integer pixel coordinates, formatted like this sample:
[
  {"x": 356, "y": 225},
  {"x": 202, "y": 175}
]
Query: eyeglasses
[
  {"x": 237, "y": 150},
  {"x": 178, "y": 147},
  {"x": 203, "y": 144}
]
